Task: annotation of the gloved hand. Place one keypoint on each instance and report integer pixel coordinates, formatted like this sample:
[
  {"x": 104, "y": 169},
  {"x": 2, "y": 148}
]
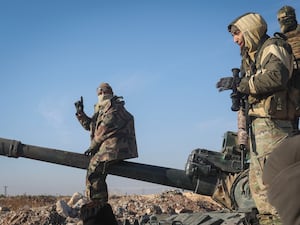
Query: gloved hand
[
  {"x": 244, "y": 86},
  {"x": 88, "y": 152},
  {"x": 225, "y": 83},
  {"x": 92, "y": 149},
  {"x": 79, "y": 106}
]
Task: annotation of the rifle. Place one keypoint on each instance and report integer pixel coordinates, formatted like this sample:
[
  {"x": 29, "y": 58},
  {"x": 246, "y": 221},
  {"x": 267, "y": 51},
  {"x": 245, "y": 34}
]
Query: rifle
[{"x": 240, "y": 105}]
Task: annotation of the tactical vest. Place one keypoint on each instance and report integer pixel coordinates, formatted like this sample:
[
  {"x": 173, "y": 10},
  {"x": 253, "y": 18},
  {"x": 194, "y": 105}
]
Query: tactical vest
[
  {"x": 276, "y": 105},
  {"x": 293, "y": 38}
]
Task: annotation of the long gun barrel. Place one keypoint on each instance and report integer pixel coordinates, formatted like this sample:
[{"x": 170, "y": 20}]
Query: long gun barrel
[{"x": 143, "y": 172}]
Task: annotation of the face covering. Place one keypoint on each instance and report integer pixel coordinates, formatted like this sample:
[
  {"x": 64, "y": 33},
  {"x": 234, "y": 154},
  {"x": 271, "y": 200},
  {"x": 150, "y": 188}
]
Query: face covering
[
  {"x": 100, "y": 98},
  {"x": 103, "y": 97},
  {"x": 287, "y": 24}
]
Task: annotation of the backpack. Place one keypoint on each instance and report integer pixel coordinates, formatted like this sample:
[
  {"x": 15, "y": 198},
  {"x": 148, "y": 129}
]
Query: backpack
[{"x": 293, "y": 38}]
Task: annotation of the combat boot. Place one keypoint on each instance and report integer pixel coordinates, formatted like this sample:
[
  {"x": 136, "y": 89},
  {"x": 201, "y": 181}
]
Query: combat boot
[{"x": 97, "y": 213}]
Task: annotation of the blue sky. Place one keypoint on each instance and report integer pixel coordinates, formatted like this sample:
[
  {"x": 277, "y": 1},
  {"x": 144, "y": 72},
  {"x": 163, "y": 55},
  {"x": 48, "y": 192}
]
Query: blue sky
[{"x": 163, "y": 56}]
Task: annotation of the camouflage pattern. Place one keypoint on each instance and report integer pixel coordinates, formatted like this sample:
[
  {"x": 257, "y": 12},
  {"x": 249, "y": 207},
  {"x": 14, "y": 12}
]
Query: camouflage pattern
[
  {"x": 286, "y": 11},
  {"x": 95, "y": 183},
  {"x": 291, "y": 30},
  {"x": 293, "y": 38},
  {"x": 287, "y": 19},
  {"x": 112, "y": 139},
  {"x": 287, "y": 16},
  {"x": 268, "y": 219},
  {"x": 268, "y": 66},
  {"x": 266, "y": 134},
  {"x": 112, "y": 130},
  {"x": 269, "y": 84},
  {"x": 105, "y": 87}
]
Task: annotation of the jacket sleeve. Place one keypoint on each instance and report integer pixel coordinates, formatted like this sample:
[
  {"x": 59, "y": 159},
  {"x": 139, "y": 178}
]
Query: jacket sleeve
[
  {"x": 84, "y": 120},
  {"x": 274, "y": 73}
]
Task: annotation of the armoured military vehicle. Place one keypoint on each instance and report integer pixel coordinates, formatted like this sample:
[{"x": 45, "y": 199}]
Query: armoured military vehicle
[{"x": 220, "y": 174}]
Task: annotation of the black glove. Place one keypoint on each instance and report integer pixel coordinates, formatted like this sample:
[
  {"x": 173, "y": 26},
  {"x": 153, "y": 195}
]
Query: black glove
[
  {"x": 88, "y": 152},
  {"x": 225, "y": 83},
  {"x": 79, "y": 106},
  {"x": 92, "y": 149},
  {"x": 244, "y": 86}
]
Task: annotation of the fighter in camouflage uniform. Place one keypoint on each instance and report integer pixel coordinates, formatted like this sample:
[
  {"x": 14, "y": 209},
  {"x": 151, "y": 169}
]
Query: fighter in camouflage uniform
[
  {"x": 267, "y": 67},
  {"x": 291, "y": 30},
  {"x": 112, "y": 139},
  {"x": 289, "y": 26}
]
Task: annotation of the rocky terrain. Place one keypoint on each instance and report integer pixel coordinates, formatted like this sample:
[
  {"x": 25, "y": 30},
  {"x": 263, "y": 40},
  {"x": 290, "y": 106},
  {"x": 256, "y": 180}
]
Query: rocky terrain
[{"x": 64, "y": 210}]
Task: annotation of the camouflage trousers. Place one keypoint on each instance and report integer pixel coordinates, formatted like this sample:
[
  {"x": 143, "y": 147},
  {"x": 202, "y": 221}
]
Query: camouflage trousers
[
  {"x": 265, "y": 135},
  {"x": 96, "y": 187}
]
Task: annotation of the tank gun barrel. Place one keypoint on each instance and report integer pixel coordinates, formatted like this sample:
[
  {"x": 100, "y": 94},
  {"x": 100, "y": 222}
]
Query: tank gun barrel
[{"x": 144, "y": 172}]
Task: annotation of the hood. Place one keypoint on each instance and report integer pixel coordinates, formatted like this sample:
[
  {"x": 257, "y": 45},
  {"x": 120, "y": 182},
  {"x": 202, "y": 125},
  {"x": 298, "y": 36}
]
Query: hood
[{"x": 253, "y": 28}]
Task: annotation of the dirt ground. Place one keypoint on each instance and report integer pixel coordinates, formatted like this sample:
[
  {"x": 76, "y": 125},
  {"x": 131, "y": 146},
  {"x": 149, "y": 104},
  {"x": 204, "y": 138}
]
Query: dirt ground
[{"x": 41, "y": 210}]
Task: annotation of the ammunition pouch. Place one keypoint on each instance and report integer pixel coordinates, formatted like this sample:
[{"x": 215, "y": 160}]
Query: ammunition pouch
[
  {"x": 275, "y": 106},
  {"x": 293, "y": 38},
  {"x": 294, "y": 91}
]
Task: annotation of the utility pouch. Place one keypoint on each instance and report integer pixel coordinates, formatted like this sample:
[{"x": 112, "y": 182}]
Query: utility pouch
[{"x": 294, "y": 93}]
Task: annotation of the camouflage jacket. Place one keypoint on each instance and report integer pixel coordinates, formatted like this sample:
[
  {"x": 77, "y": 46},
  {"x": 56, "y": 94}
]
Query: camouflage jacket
[
  {"x": 270, "y": 84},
  {"x": 112, "y": 130},
  {"x": 268, "y": 65}
]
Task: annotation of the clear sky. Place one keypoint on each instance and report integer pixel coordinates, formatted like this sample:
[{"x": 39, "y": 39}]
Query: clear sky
[{"x": 163, "y": 56}]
